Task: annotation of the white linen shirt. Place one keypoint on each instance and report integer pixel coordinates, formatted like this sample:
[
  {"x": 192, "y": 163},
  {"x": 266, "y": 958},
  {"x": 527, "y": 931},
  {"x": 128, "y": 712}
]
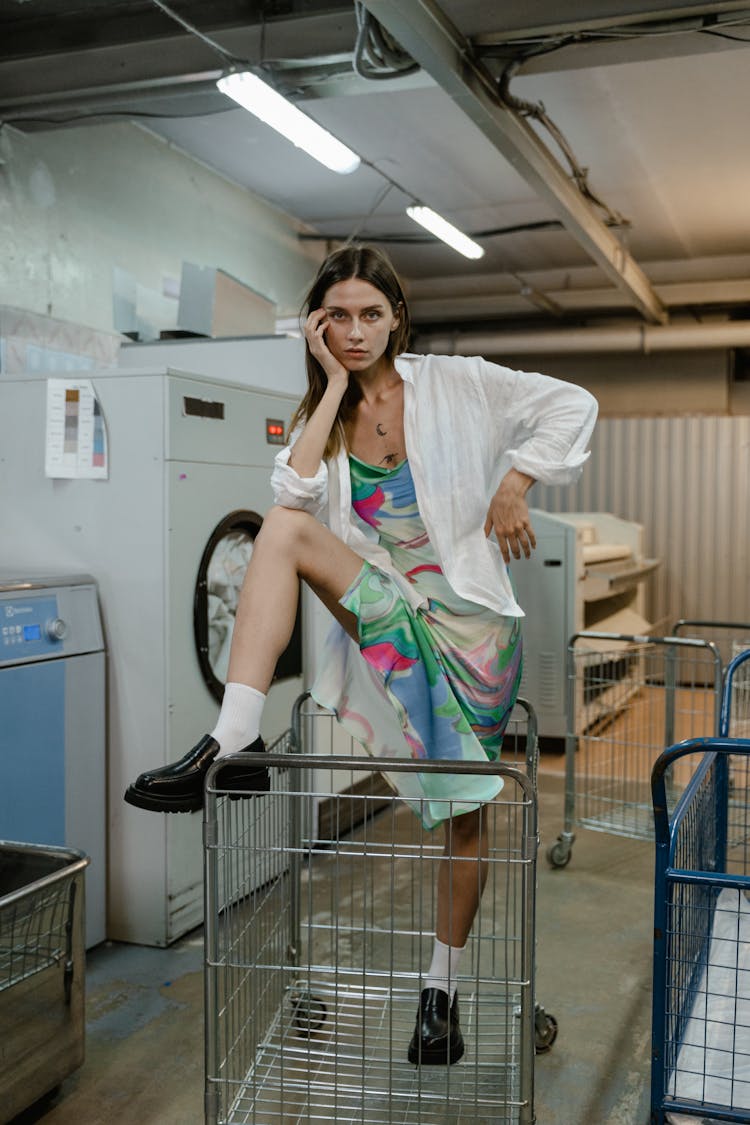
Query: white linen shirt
[{"x": 466, "y": 423}]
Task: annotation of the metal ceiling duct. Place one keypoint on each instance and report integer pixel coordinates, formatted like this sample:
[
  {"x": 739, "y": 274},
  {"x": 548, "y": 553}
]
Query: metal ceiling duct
[{"x": 643, "y": 338}]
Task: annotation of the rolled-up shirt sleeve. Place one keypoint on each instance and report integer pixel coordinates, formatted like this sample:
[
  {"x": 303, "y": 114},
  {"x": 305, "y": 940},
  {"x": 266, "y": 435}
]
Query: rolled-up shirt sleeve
[
  {"x": 545, "y": 423},
  {"x": 290, "y": 490}
]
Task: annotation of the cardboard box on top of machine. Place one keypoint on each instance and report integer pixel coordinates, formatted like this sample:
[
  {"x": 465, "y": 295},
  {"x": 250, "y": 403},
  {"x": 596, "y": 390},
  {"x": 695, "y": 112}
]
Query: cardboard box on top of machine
[{"x": 213, "y": 303}]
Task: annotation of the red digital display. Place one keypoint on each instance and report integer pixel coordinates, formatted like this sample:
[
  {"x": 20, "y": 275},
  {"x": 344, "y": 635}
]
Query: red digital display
[{"x": 274, "y": 431}]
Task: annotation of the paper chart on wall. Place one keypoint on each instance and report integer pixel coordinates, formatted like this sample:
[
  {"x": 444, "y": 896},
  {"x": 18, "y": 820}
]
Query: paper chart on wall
[{"x": 76, "y": 434}]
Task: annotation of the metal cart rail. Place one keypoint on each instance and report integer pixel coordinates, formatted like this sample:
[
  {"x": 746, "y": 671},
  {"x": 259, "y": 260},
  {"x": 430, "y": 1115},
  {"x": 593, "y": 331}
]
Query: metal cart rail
[
  {"x": 315, "y": 951},
  {"x": 629, "y": 697},
  {"x": 735, "y": 702},
  {"x": 730, "y": 637}
]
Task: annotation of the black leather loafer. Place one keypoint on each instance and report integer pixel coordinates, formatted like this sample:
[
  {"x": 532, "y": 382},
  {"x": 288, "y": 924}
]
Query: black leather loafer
[
  {"x": 437, "y": 1038},
  {"x": 179, "y": 786}
]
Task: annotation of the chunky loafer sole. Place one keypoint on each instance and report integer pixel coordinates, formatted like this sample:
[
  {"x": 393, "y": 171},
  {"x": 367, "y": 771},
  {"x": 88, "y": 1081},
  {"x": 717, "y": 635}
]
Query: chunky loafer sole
[{"x": 162, "y": 802}]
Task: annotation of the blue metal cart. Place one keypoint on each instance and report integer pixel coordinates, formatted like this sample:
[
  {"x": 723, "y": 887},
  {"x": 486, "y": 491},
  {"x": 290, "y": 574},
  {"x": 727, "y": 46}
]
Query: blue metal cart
[{"x": 701, "y": 996}]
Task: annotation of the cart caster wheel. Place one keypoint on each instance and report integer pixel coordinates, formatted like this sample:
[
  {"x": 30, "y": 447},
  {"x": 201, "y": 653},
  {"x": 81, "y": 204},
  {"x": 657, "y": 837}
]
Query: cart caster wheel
[
  {"x": 558, "y": 854},
  {"x": 308, "y": 1014},
  {"x": 545, "y": 1035}
]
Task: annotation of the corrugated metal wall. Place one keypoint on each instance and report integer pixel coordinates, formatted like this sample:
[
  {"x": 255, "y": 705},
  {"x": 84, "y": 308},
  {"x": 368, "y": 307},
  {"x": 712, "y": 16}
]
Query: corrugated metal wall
[{"x": 687, "y": 480}]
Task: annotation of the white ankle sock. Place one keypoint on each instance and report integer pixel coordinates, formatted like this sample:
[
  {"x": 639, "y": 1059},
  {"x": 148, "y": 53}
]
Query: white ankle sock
[
  {"x": 239, "y": 719},
  {"x": 444, "y": 967}
]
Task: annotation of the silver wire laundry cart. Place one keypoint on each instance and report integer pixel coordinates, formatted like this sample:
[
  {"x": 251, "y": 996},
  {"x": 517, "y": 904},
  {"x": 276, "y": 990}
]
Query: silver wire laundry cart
[
  {"x": 629, "y": 697},
  {"x": 701, "y": 995},
  {"x": 316, "y": 949},
  {"x": 42, "y": 971}
]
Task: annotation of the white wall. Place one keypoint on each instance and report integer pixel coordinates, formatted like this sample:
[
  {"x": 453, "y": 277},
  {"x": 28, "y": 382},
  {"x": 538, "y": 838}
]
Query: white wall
[
  {"x": 75, "y": 203},
  {"x": 632, "y": 385}
]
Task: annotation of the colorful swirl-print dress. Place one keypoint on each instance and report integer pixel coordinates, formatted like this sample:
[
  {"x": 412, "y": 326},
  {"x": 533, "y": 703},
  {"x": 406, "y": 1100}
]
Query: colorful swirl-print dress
[{"x": 450, "y": 670}]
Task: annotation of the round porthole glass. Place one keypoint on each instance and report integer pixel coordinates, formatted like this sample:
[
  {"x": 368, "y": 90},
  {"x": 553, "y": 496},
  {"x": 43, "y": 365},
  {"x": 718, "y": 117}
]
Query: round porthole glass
[{"x": 217, "y": 591}]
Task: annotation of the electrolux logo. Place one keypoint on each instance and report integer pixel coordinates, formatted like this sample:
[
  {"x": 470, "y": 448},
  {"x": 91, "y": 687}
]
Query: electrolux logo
[{"x": 14, "y": 610}]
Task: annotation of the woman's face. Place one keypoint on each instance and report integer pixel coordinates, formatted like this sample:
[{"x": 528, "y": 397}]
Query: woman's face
[{"x": 359, "y": 322}]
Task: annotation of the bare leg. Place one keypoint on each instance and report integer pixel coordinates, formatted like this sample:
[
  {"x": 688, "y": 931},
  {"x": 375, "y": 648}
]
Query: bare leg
[
  {"x": 291, "y": 545},
  {"x": 462, "y": 875},
  {"x": 437, "y": 1037}
]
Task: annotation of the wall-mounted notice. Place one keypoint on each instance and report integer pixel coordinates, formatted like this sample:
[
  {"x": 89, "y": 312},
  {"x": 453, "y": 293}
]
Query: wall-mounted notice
[{"x": 76, "y": 440}]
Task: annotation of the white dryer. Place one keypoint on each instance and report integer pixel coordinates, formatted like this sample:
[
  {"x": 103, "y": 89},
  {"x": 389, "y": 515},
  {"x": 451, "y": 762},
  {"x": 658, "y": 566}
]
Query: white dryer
[{"x": 189, "y": 465}]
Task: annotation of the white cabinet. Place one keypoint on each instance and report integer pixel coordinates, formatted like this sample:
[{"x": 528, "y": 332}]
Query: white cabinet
[{"x": 587, "y": 572}]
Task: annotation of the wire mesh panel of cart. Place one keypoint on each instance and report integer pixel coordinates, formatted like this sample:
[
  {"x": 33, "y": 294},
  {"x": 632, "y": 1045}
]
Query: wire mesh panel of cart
[
  {"x": 701, "y": 995},
  {"x": 629, "y": 697},
  {"x": 316, "y": 949}
]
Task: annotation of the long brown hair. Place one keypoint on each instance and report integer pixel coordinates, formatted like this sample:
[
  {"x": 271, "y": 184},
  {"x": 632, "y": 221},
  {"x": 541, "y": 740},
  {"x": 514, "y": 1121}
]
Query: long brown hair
[{"x": 369, "y": 264}]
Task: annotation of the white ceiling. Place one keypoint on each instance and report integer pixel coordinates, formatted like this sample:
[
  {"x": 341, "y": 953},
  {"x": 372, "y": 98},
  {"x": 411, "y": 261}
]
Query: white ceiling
[{"x": 665, "y": 139}]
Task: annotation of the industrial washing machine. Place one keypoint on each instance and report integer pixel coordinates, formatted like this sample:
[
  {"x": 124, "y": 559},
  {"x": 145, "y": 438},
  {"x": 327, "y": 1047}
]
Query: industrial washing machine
[
  {"x": 166, "y": 534},
  {"x": 52, "y": 704}
]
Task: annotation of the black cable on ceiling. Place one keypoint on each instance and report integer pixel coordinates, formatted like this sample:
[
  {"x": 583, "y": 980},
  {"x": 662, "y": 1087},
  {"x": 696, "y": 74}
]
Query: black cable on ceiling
[
  {"x": 419, "y": 240},
  {"x": 129, "y": 113},
  {"x": 544, "y": 44},
  {"x": 233, "y": 60},
  {"x": 723, "y": 35}
]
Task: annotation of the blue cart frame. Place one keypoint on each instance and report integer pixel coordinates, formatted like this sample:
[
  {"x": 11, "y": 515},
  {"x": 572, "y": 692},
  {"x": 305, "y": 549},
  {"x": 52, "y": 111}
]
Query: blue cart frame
[{"x": 701, "y": 850}]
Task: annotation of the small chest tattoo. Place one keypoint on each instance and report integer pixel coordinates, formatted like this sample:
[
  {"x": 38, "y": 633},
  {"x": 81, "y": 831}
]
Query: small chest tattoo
[{"x": 389, "y": 458}]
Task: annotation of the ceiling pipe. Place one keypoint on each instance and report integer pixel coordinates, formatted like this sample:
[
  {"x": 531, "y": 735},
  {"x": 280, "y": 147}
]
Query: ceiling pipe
[
  {"x": 643, "y": 338},
  {"x": 482, "y": 305}
]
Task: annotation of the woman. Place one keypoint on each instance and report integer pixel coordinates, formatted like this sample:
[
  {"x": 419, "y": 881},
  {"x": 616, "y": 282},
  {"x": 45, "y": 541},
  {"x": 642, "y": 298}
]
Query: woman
[{"x": 399, "y": 469}]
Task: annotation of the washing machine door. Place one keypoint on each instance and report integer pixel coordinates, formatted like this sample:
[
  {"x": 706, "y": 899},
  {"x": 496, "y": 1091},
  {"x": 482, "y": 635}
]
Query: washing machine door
[{"x": 217, "y": 590}]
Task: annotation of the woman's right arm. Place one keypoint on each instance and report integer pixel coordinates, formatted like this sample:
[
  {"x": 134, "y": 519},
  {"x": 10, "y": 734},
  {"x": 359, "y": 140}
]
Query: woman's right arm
[{"x": 307, "y": 452}]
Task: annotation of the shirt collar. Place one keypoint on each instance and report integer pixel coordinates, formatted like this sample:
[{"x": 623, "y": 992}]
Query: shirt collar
[{"x": 403, "y": 365}]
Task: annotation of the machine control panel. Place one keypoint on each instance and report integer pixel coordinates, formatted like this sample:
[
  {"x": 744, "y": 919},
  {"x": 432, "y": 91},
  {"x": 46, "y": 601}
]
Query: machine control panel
[
  {"x": 47, "y": 623},
  {"x": 31, "y": 626}
]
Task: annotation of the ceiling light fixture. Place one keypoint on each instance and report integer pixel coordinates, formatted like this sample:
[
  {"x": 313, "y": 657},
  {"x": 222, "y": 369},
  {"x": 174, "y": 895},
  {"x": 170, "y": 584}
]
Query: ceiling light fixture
[
  {"x": 255, "y": 95},
  {"x": 439, "y": 226}
]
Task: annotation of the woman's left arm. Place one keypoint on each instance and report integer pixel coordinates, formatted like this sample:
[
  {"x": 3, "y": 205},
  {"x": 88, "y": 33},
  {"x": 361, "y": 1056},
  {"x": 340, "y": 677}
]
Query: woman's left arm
[
  {"x": 508, "y": 516},
  {"x": 543, "y": 427},
  {"x": 548, "y": 427}
]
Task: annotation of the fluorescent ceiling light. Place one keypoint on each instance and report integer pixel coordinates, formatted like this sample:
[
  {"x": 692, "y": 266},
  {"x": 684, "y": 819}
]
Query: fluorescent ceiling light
[
  {"x": 436, "y": 224},
  {"x": 253, "y": 94}
]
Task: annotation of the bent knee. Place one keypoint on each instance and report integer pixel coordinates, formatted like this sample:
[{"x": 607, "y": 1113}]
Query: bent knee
[{"x": 285, "y": 523}]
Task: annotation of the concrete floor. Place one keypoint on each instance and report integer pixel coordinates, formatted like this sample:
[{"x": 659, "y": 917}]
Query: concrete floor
[{"x": 144, "y": 1063}]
